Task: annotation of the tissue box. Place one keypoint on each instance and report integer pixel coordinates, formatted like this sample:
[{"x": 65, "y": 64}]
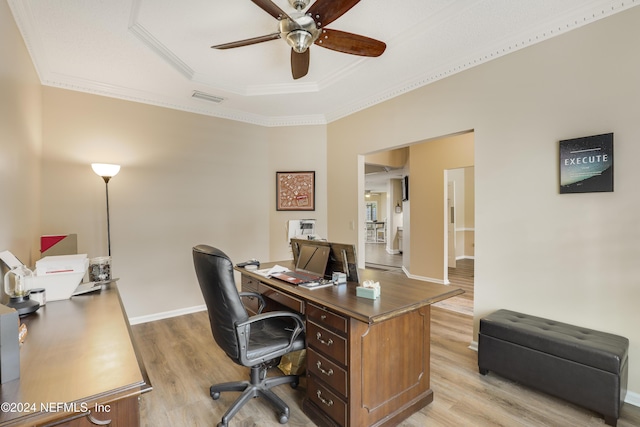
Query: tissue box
[
  {"x": 338, "y": 277},
  {"x": 371, "y": 293}
]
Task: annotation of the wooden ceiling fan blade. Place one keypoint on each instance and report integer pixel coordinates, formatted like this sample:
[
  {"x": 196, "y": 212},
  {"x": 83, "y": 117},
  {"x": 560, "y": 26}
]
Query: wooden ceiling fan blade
[
  {"x": 272, "y": 9},
  {"x": 353, "y": 44},
  {"x": 247, "y": 42},
  {"x": 325, "y": 12},
  {"x": 299, "y": 63}
]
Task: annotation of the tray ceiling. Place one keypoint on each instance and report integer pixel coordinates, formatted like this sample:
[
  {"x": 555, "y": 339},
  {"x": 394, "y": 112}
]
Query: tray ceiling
[{"x": 158, "y": 51}]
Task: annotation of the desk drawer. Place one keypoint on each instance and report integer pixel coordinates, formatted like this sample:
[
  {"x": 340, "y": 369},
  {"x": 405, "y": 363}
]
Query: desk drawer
[
  {"x": 326, "y": 319},
  {"x": 327, "y": 401},
  {"x": 327, "y": 371},
  {"x": 327, "y": 343},
  {"x": 249, "y": 284},
  {"x": 289, "y": 301},
  {"x": 251, "y": 304}
]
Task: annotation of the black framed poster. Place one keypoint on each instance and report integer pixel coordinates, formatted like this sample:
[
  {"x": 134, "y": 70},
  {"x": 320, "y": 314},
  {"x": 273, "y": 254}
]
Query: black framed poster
[{"x": 586, "y": 164}]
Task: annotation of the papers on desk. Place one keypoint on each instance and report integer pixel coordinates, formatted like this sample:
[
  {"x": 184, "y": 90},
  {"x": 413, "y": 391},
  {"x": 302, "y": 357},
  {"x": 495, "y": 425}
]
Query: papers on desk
[
  {"x": 10, "y": 259},
  {"x": 87, "y": 287},
  {"x": 267, "y": 272},
  {"x": 315, "y": 285},
  {"x": 84, "y": 288}
]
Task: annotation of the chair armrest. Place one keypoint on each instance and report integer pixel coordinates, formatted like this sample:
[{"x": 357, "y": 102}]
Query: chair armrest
[
  {"x": 299, "y": 323},
  {"x": 261, "y": 302},
  {"x": 243, "y": 330}
]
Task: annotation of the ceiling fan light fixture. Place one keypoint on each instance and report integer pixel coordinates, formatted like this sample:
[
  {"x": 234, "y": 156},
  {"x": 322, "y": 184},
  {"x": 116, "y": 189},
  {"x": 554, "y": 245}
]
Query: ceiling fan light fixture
[{"x": 299, "y": 40}]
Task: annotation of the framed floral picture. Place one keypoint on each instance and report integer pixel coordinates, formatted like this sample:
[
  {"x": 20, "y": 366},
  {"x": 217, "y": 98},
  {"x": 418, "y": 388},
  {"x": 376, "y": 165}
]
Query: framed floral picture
[{"x": 296, "y": 191}]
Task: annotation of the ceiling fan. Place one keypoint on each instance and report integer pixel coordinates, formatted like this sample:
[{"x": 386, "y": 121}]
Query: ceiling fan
[{"x": 301, "y": 29}]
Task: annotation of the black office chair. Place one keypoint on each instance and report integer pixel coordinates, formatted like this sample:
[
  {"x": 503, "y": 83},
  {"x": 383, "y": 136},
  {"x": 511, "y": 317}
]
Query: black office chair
[{"x": 249, "y": 341}]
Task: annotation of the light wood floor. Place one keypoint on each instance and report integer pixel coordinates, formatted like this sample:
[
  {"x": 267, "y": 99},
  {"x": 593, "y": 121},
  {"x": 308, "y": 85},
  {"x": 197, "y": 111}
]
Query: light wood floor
[
  {"x": 183, "y": 361},
  {"x": 377, "y": 255}
]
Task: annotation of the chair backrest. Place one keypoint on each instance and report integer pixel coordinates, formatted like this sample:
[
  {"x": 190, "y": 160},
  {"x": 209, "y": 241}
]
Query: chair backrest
[{"x": 217, "y": 283}]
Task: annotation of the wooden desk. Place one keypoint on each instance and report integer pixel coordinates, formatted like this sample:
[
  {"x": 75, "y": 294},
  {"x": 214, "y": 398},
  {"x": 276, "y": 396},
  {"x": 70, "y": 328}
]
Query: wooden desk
[
  {"x": 367, "y": 360},
  {"x": 78, "y": 366}
]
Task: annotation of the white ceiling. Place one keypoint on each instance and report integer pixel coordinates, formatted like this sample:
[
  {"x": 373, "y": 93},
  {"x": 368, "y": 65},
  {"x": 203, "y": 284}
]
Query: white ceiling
[{"x": 158, "y": 51}]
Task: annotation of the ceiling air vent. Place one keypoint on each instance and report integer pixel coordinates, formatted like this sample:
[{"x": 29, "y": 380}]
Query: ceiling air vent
[{"x": 207, "y": 97}]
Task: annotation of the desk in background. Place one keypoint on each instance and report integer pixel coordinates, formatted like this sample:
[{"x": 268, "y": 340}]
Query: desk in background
[
  {"x": 367, "y": 360},
  {"x": 79, "y": 362}
]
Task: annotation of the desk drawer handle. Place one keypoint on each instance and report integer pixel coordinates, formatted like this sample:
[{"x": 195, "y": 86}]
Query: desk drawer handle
[
  {"x": 327, "y": 402},
  {"x": 323, "y": 317},
  {"x": 98, "y": 422},
  {"x": 319, "y": 338},
  {"x": 327, "y": 373}
]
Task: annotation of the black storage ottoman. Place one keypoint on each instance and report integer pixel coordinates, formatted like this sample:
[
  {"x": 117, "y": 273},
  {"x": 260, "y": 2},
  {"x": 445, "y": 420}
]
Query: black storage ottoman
[{"x": 586, "y": 367}]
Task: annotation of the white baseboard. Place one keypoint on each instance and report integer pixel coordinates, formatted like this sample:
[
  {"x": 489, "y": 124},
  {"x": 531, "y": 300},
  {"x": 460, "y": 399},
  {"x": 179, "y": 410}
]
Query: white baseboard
[
  {"x": 166, "y": 314},
  {"x": 631, "y": 398},
  {"x": 425, "y": 279}
]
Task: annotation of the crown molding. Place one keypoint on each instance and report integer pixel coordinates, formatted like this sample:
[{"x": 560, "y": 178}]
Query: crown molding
[{"x": 24, "y": 18}]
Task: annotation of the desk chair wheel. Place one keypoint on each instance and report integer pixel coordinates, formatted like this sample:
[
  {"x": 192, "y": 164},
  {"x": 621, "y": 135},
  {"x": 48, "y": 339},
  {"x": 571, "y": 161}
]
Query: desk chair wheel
[
  {"x": 215, "y": 395},
  {"x": 283, "y": 418},
  {"x": 294, "y": 384}
]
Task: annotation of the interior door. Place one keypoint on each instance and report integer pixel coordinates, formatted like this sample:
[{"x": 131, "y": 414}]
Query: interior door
[{"x": 451, "y": 224}]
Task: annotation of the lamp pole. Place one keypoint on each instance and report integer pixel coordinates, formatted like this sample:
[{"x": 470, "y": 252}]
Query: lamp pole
[
  {"x": 106, "y": 188},
  {"x": 106, "y": 171}
]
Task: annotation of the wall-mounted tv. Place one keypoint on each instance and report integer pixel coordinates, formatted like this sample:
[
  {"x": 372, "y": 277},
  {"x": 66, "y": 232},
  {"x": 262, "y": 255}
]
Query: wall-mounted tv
[{"x": 405, "y": 188}]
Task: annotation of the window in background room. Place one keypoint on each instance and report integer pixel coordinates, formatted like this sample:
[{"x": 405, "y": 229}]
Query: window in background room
[{"x": 372, "y": 211}]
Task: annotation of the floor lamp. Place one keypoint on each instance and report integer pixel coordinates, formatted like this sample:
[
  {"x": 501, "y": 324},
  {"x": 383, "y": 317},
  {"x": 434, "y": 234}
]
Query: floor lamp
[{"x": 106, "y": 171}]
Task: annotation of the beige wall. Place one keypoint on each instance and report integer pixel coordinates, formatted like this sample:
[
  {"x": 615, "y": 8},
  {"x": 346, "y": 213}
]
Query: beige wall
[
  {"x": 20, "y": 144},
  {"x": 469, "y": 214},
  {"x": 395, "y": 219},
  {"x": 464, "y": 209},
  {"x": 296, "y": 149},
  {"x": 185, "y": 179},
  {"x": 573, "y": 257},
  {"x": 393, "y": 158},
  {"x": 428, "y": 162}
]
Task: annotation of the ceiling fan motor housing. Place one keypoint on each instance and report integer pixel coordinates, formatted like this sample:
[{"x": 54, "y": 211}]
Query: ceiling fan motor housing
[
  {"x": 300, "y": 30},
  {"x": 300, "y": 33}
]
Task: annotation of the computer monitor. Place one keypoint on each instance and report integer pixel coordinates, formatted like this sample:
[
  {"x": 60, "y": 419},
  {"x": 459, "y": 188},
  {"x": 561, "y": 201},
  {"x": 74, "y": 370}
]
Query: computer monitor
[
  {"x": 312, "y": 260},
  {"x": 342, "y": 257}
]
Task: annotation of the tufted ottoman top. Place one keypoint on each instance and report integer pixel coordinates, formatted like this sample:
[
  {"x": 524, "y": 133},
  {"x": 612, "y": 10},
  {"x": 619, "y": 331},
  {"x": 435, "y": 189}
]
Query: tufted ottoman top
[{"x": 586, "y": 346}]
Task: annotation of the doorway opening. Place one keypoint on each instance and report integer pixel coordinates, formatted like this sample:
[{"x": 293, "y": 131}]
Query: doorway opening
[
  {"x": 438, "y": 239},
  {"x": 382, "y": 215}
]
